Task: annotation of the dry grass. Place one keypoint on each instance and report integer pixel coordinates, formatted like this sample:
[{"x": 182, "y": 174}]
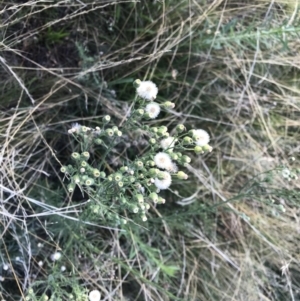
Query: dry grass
[{"x": 231, "y": 68}]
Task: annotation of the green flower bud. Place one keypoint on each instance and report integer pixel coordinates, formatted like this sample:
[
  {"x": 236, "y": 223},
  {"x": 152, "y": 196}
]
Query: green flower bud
[
  {"x": 106, "y": 119},
  {"x": 135, "y": 209},
  {"x": 83, "y": 179},
  {"x": 152, "y": 141},
  {"x": 180, "y": 128},
  {"x": 186, "y": 159},
  {"x": 181, "y": 175},
  {"x": 119, "y": 133},
  {"x": 96, "y": 173},
  {"x": 89, "y": 182},
  {"x": 110, "y": 178},
  {"x": 140, "y": 112},
  {"x": 120, "y": 184},
  {"x": 198, "y": 149},
  {"x": 144, "y": 218},
  {"x": 70, "y": 168},
  {"x": 154, "y": 129},
  {"x": 75, "y": 156},
  {"x": 161, "y": 200},
  {"x": 168, "y": 105},
  {"x": 84, "y": 129},
  {"x": 118, "y": 177},
  {"x": 207, "y": 148},
  {"x": 115, "y": 129},
  {"x": 139, "y": 164},
  {"x": 147, "y": 206},
  {"x": 102, "y": 174},
  {"x": 137, "y": 83},
  {"x": 187, "y": 140},
  {"x": 161, "y": 175},
  {"x": 163, "y": 128},
  {"x": 191, "y": 132},
  {"x": 123, "y": 200},
  {"x": 109, "y": 132},
  {"x": 124, "y": 168},
  {"x": 153, "y": 172},
  {"x": 153, "y": 197},
  {"x": 71, "y": 187},
  {"x": 173, "y": 156},
  {"x": 84, "y": 164},
  {"x": 131, "y": 179},
  {"x": 76, "y": 179},
  {"x": 85, "y": 155},
  {"x": 98, "y": 141},
  {"x": 123, "y": 221},
  {"x": 150, "y": 163},
  {"x": 63, "y": 169},
  {"x": 139, "y": 197},
  {"x": 147, "y": 115}
]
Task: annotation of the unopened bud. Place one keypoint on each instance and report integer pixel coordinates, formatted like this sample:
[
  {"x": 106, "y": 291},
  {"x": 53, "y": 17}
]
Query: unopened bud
[
  {"x": 137, "y": 83},
  {"x": 181, "y": 175},
  {"x": 180, "y": 128},
  {"x": 198, "y": 149},
  {"x": 168, "y": 105}
]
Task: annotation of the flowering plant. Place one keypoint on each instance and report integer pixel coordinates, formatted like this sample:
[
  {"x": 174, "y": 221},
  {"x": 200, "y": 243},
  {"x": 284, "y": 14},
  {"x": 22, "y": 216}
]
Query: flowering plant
[{"x": 117, "y": 194}]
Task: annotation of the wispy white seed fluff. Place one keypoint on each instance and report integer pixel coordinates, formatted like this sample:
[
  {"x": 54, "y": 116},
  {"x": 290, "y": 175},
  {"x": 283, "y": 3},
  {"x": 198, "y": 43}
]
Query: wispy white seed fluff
[
  {"x": 168, "y": 143},
  {"x": 201, "y": 137},
  {"x": 153, "y": 109},
  {"x": 55, "y": 256},
  {"x": 172, "y": 168},
  {"x": 147, "y": 90},
  {"x": 75, "y": 128},
  {"x": 165, "y": 182},
  {"x": 163, "y": 160},
  {"x": 94, "y": 295}
]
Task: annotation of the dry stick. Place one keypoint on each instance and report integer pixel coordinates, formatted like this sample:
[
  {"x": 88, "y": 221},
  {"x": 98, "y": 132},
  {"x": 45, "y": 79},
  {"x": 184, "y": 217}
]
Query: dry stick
[{"x": 2, "y": 60}]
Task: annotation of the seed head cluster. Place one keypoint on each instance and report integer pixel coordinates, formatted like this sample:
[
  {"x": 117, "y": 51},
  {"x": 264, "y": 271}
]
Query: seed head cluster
[{"x": 131, "y": 186}]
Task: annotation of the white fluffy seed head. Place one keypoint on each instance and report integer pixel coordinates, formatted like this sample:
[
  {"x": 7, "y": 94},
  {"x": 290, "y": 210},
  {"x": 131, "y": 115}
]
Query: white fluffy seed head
[
  {"x": 165, "y": 183},
  {"x": 75, "y": 128},
  {"x": 201, "y": 137},
  {"x": 168, "y": 143},
  {"x": 94, "y": 295},
  {"x": 172, "y": 168},
  {"x": 163, "y": 160},
  {"x": 147, "y": 90},
  {"x": 153, "y": 109},
  {"x": 55, "y": 256}
]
